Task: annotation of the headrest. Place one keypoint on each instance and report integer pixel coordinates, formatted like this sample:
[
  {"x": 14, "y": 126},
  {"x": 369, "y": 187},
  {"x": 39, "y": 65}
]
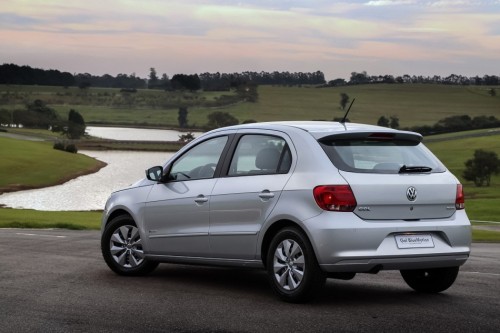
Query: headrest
[{"x": 267, "y": 159}]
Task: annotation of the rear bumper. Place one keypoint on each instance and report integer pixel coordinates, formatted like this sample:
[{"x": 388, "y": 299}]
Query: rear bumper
[
  {"x": 366, "y": 265},
  {"x": 345, "y": 243}
]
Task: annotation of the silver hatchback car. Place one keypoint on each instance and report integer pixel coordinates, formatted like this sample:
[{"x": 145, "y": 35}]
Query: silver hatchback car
[{"x": 304, "y": 200}]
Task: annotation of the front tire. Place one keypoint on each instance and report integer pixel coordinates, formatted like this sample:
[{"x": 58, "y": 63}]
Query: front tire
[
  {"x": 121, "y": 247},
  {"x": 293, "y": 270},
  {"x": 432, "y": 280}
]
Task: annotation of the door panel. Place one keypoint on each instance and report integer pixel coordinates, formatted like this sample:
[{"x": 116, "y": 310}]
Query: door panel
[
  {"x": 176, "y": 220},
  {"x": 177, "y": 212},
  {"x": 238, "y": 208},
  {"x": 241, "y": 202}
]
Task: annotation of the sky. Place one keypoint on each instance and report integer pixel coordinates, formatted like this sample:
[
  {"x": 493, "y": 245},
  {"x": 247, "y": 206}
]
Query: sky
[{"x": 415, "y": 37}]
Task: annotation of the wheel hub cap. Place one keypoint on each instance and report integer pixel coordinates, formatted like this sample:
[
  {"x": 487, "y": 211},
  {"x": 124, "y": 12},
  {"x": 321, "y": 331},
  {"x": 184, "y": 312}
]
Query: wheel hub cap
[
  {"x": 289, "y": 264},
  {"x": 126, "y": 246}
]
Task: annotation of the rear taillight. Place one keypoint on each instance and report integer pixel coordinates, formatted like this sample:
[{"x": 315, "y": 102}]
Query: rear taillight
[
  {"x": 460, "y": 199},
  {"x": 338, "y": 198}
]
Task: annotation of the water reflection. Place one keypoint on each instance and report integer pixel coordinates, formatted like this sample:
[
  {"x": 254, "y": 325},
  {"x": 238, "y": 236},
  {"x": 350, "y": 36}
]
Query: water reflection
[
  {"x": 136, "y": 134},
  {"x": 89, "y": 192}
]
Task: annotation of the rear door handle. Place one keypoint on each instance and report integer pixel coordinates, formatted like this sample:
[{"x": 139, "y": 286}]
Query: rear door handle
[
  {"x": 201, "y": 199},
  {"x": 266, "y": 194}
]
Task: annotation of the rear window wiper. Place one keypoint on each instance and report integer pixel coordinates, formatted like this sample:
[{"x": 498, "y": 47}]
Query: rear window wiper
[{"x": 408, "y": 169}]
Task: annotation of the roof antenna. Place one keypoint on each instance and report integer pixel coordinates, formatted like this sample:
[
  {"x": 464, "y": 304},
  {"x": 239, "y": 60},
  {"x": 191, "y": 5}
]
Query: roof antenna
[{"x": 348, "y": 109}]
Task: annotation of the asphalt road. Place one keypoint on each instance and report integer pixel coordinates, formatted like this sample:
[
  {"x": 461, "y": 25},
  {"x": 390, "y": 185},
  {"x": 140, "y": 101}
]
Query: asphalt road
[{"x": 56, "y": 281}]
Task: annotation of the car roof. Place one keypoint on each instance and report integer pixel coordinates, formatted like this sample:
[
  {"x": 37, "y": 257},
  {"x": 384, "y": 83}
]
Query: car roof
[{"x": 320, "y": 129}]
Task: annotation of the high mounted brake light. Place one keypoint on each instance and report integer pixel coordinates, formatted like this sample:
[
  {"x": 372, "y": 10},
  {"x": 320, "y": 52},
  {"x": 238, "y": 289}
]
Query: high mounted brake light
[
  {"x": 338, "y": 198},
  {"x": 381, "y": 136}
]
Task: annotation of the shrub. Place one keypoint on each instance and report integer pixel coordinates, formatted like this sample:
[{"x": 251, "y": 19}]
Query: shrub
[
  {"x": 71, "y": 148},
  {"x": 59, "y": 145},
  {"x": 221, "y": 119}
]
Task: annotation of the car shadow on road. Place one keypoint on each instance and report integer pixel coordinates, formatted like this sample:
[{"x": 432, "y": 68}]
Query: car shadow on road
[{"x": 253, "y": 284}]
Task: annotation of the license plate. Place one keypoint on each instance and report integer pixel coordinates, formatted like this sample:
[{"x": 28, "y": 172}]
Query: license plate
[{"x": 414, "y": 241}]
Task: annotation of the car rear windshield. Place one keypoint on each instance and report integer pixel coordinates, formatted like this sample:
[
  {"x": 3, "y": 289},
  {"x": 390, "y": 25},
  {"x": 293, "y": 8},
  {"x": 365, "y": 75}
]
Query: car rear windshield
[{"x": 367, "y": 155}]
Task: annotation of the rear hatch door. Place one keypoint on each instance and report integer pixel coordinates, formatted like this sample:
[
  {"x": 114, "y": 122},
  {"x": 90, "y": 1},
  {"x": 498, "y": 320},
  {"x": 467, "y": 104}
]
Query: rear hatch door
[
  {"x": 403, "y": 196},
  {"x": 393, "y": 175}
]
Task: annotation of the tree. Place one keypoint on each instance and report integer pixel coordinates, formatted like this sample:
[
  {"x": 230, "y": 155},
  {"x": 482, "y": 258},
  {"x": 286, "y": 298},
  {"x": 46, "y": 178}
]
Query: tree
[
  {"x": 337, "y": 82},
  {"x": 183, "y": 81},
  {"x": 153, "y": 78},
  {"x": 383, "y": 121},
  {"x": 344, "y": 99},
  {"x": 221, "y": 119},
  {"x": 481, "y": 167},
  {"x": 6, "y": 117},
  {"x": 36, "y": 115},
  {"x": 247, "y": 92},
  {"x": 182, "y": 117},
  {"x": 165, "y": 82},
  {"x": 394, "y": 122},
  {"x": 185, "y": 138},
  {"x": 76, "y": 125}
]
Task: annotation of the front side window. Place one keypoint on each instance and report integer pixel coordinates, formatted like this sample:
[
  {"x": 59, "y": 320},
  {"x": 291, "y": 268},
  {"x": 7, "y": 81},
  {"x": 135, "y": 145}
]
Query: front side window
[
  {"x": 260, "y": 155},
  {"x": 380, "y": 156},
  {"x": 200, "y": 161}
]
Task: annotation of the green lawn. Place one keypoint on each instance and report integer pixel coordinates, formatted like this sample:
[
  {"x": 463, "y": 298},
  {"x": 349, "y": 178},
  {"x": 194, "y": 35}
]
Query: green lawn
[
  {"x": 482, "y": 203},
  {"x": 28, "y": 218},
  {"x": 486, "y": 236},
  {"x": 28, "y": 164}
]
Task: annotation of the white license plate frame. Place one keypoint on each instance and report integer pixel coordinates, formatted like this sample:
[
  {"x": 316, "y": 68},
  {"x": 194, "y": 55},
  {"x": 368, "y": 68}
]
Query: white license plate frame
[{"x": 414, "y": 241}]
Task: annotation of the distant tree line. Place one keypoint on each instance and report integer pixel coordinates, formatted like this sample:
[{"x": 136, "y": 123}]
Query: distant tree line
[
  {"x": 226, "y": 81},
  {"x": 26, "y": 75},
  {"x": 123, "y": 81},
  {"x": 453, "y": 79},
  {"x": 457, "y": 124}
]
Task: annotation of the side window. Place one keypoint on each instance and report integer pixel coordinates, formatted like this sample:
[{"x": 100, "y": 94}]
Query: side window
[
  {"x": 200, "y": 161},
  {"x": 260, "y": 155}
]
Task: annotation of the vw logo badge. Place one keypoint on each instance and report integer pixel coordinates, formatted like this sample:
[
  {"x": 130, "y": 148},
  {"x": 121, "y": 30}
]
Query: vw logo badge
[{"x": 411, "y": 193}]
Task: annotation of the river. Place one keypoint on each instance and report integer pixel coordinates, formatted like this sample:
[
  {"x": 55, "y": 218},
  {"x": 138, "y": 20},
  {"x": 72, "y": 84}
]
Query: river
[
  {"x": 136, "y": 134},
  {"x": 91, "y": 191}
]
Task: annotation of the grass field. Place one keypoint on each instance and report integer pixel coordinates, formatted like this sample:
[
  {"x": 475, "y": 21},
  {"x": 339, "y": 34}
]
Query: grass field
[
  {"x": 414, "y": 104},
  {"x": 27, "y": 218},
  {"x": 28, "y": 164},
  {"x": 482, "y": 203}
]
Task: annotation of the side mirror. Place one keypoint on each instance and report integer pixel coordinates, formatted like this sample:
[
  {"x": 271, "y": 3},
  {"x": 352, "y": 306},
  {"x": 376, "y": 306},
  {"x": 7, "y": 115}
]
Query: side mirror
[{"x": 155, "y": 173}]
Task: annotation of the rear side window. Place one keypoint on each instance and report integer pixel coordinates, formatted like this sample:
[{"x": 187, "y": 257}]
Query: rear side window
[
  {"x": 260, "y": 155},
  {"x": 379, "y": 156}
]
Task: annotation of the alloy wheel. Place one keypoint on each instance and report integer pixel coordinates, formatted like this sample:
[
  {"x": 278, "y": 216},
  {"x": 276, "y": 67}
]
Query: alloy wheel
[
  {"x": 126, "y": 246},
  {"x": 289, "y": 264}
]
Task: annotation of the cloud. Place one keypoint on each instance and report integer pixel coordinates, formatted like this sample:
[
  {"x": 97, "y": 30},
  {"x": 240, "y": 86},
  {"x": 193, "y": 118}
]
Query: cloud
[
  {"x": 202, "y": 35},
  {"x": 389, "y": 2}
]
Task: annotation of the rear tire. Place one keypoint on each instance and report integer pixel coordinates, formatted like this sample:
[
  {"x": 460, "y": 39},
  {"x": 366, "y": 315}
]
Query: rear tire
[
  {"x": 292, "y": 268},
  {"x": 121, "y": 247},
  {"x": 431, "y": 280}
]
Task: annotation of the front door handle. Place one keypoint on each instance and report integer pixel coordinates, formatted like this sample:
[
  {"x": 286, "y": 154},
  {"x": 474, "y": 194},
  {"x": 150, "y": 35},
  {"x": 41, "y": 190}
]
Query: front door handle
[
  {"x": 266, "y": 194},
  {"x": 201, "y": 199}
]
